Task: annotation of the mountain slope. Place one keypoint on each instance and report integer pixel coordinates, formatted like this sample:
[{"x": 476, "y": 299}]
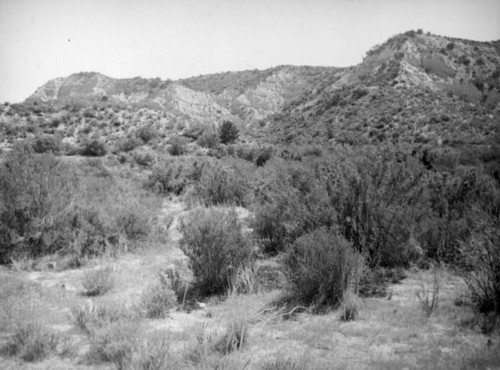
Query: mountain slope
[
  {"x": 415, "y": 87},
  {"x": 243, "y": 97}
]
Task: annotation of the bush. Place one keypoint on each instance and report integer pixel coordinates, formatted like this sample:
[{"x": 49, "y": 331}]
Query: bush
[
  {"x": 47, "y": 144},
  {"x": 213, "y": 240},
  {"x": 147, "y": 133},
  {"x": 321, "y": 267},
  {"x": 220, "y": 185},
  {"x": 48, "y": 206},
  {"x": 228, "y": 132},
  {"x": 126, "y": 145},
  {"x": 178, "y": 146},
  {"x": 155, "y": 353},
  {"x": 158, "y": 299},
  {"x": 208, "y": 139},
  {"x": 98, "y": 282},
  {"x": 31, "y": 342},
  {"x": 264, "y": 156},
  {"x": 482, "y": 256},
  {"x": 235, "y": 337},
  {"x": 94, "y": 148},
  {"x": 115, "y": 343}
]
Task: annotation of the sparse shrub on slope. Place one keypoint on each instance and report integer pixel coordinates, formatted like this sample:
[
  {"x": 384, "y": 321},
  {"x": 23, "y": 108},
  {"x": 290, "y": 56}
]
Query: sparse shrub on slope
[
  {"x": 321, "y": 267},
  {"x": 216, "y": 246}
]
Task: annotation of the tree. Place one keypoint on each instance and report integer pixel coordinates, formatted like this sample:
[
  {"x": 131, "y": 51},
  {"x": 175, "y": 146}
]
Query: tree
[{"x": 228, "y": 132}]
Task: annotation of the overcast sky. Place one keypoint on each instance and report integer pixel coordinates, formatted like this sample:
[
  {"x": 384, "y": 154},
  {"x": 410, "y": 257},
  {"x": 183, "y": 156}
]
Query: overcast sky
[{"x": 44, "y": 39}]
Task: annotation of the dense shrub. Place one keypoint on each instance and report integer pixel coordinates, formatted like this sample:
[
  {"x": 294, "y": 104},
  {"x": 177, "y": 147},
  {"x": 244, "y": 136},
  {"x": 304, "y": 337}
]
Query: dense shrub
[
  {"x": 214, "y": 242},
  {"x": 47, "y": 206},
  {"x": 208, "y": 139},
  {"x": 47, "y": 144},
  {"x": 172, "y": 176},
  {"x": 128, "y": 144},
  {"x": 321, "y": 267},
  {"x": 94, "y": 148},
  {"x": 178, "y": 146},
  {"x": 146, "y": 133},
  {"x": 221, "y": 185},
  {"x": 481, "y": 253},
  {"x": 228, "y": 132}
]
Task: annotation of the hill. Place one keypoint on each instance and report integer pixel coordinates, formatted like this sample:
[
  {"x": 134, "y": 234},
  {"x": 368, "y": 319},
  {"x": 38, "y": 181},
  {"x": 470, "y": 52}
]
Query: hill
[{"x": 415, "y": 87}]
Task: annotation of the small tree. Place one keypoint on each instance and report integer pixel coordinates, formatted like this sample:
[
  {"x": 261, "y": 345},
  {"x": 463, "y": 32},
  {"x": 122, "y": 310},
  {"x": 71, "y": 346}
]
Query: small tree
[{"x": 228, "y": 132}]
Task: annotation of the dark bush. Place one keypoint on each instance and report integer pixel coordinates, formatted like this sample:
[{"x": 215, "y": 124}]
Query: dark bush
[
  {"x": 228, "y": 132},
  {"x": 264, "y": 155},
  {"x": 321, "y": 267},
  {"x": 214, "y": 242},
  {"x": 481, "y": 254},
  {"x": 94, "y": 148},
  {"x": 47, "y": 144},
  {"x": 178, "y": 146}
]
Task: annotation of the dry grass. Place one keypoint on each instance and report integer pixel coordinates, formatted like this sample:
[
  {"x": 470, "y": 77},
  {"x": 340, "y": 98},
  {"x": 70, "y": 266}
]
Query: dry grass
[{"x": 386, "y": 334}]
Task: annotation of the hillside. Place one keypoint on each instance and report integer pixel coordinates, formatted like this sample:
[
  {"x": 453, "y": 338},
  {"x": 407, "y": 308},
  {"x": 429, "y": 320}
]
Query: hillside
[
  {"x": 415, "y": 88},
  {"x": 242, "y": 97}
]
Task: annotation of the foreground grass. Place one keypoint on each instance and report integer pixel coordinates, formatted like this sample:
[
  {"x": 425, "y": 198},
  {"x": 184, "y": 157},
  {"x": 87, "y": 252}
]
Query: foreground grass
[{"x": 242, "y": 332}]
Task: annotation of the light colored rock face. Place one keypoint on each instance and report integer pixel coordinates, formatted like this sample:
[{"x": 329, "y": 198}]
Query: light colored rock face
[{"x": 258, "y": 101}]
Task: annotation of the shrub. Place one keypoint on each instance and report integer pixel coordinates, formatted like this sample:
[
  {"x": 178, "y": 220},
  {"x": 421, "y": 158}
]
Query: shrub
[
  {"x": 98, "y": 282},
  {"x": 115, "y": 343},
  {"x": 126, "y": 145},
  {"x": 321, "y": 267},
  {"x": 48, "y": 206},
  {"x": 155, "y": 353},
  {"x": 31, "y": 342},
  {"x": 220, "y": 185},
  {"x": 482, "y": 255},
  {"x": 208, "y": 139},
  {"x": 427, "y": 297},
  {"x": 94, "y": 148},
  {"x": 169, "y": 177},
  {"x": 235, "y": 337},
  {"x": 158, "y": 299},
  {"x": 47, "y": 144},
  {"x": 178, "y": 146},
  {"x": 228, "y": 132},
  {"x": 146, "y": 133},
  {"x": 264, "y": 156},
  {"x": 213, "y": 240}
]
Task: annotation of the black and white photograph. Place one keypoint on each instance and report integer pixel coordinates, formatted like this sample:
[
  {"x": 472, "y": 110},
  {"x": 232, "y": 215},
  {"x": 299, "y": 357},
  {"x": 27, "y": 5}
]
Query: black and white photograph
[{"x": 249, "y": 184}]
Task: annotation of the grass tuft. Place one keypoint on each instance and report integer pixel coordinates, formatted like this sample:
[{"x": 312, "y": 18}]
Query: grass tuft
[
  {"x": 31, "y": 342},
  {"x": 98, "y": 282}
]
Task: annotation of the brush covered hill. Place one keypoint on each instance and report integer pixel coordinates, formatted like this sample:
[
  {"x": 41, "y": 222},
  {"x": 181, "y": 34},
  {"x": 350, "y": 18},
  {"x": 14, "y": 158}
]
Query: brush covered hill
[
  {"x": 416, "y": 88},
  {"x": 242, "y": 97}
]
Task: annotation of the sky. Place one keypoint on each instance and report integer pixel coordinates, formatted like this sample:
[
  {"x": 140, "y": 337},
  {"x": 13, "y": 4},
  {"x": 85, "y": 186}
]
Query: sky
[{"x": 171, "y": 39}]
